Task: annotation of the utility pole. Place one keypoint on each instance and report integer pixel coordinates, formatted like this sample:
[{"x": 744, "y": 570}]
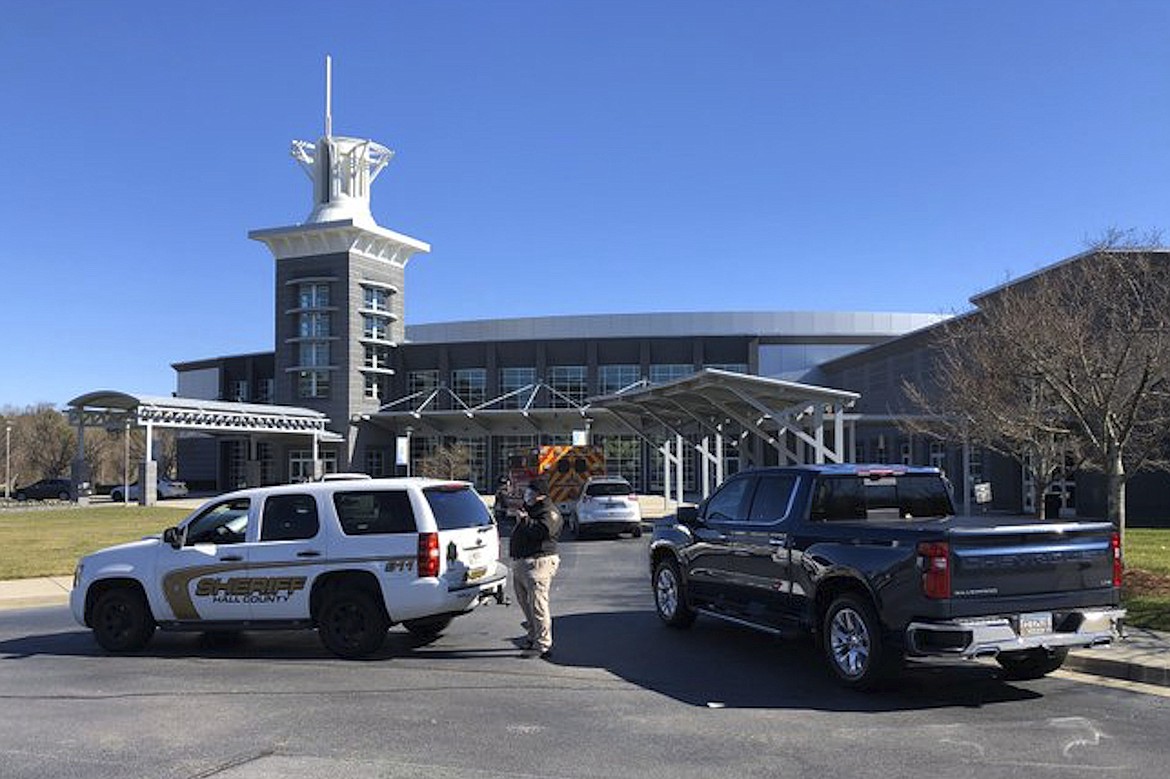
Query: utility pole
[{"x": 7, "y": 459}]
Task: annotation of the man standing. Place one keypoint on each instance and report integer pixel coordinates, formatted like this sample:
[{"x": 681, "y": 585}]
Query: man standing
[{"x": 533, "y": 550}]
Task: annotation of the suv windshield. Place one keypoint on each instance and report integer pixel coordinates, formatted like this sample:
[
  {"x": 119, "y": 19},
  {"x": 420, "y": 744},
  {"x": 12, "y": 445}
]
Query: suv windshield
[
  {"x": 456, "y": 506},
  {"x": 865, "y": 497},
  {"x": 608, "y": 488}
]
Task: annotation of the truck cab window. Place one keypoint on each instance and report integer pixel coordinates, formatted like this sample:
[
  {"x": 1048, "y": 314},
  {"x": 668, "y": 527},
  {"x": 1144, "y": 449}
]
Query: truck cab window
[{"x": 727, "y": 505}]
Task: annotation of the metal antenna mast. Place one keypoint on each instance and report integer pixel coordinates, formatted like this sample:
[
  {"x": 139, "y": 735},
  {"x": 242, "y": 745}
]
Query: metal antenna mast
[{"x": 328, "y": 96}]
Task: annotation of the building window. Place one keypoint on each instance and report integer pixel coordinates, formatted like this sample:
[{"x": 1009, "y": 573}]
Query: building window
[
  {"x": 238, "y": 391},
  {"x": 375, "y": 299},
  {"x": 264, "y": 453},
  {"x": 614, "y": 378},
  {"x": 313, "y": 325},
  {"x": 376, "y": 386},
  {"x": 938, "y": 455},
  {"x": 266, "y": 390},
  {"x": 376, "y": 462},
  {"x": 623, "y": 456},
  {"x": 907, "y": 453},
  {"x": 470, "y": 385},
  {"x": 314, "y": 295},
  {"x": 568, "y": 386},
  {"x": 300, "y": 464},
  {"x": 421, "y": 381},
  {"x": 314, "y": 354},
  {"x": 313, "y": 384},
  {"x": 377, "y": 356},
  {"x": 375, "y": 327},
  {"x": 476, "y": 460},
  {"x": 660, "y": 374},
  {"x": 513, "y": 379}
]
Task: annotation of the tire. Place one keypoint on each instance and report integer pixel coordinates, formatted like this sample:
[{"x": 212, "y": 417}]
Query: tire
[
  {"x": 122, "y": 621},
  {"x": 851, "y": 638},
  {"x": 21, "y": 497},
  {"x": 115, "y": 496},
  {"x": 670, "y": 599},
  {"x": 62, "y": 496},
  {"x": 1030, "y": 663},
  {"x": 351, "y": 624},
  {"x": 428, "y": 628},
  {"x": 636, "y": 532}
]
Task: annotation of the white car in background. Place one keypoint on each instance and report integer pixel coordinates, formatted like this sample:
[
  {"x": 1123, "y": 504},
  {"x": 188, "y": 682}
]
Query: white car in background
[
  {"x": 607, "y": 504},
  {"x": 167, "y": 488}
]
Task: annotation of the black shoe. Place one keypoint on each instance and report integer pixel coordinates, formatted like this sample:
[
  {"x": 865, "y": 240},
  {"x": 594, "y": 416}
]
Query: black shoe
[
  {"x": 531, "y": 654},
  {"x": 524, "y": 625},
  {"x": 523, "y": 642}
]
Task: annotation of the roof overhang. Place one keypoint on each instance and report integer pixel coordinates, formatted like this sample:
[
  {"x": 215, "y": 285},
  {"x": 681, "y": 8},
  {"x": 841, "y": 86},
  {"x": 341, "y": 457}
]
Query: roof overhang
[
  {"x": 105, "y": 408},
  {"x": 712, "y": 402}
]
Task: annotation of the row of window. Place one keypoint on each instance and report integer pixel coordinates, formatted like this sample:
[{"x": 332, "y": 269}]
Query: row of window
[{"x": 570, "y": 384}]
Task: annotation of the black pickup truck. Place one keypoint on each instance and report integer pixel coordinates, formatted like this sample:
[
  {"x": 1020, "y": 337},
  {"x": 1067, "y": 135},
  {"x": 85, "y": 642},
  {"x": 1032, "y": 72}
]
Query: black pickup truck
[{"x": 872, "y": 561}]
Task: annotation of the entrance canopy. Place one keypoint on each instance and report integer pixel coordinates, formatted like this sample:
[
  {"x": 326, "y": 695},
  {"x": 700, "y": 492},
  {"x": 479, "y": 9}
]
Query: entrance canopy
[
  {"x": 108, "y": 407},
  {"x": 786, "y": 415}
]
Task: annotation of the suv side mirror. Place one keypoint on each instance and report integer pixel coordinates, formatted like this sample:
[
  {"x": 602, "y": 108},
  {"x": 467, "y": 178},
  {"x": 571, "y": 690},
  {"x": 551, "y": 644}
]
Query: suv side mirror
[
  {"x": 173, "y": 537},
  {"x": 687, "y": 515}
]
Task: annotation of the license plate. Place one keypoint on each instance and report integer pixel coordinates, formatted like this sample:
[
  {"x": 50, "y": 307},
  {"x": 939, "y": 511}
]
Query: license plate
[
  {"x": 476, "y": 573},
  {"x": 1036, "y": 623}
]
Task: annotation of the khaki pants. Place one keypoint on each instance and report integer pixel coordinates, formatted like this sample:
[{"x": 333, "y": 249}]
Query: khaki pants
[{"x": 531, "y": 579}]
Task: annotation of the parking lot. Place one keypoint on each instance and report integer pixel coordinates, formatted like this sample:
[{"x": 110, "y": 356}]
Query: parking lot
[{"x": 623, "y": 696}]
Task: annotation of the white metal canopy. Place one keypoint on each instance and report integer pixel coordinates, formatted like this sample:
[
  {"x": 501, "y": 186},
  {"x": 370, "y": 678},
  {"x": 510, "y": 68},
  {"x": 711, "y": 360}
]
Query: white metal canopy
[
  {"x": 106, "y": 407},
  {"x": 784, "y": 414}
]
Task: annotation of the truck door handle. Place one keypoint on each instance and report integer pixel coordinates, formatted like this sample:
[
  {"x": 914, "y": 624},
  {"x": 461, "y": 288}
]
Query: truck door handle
[
  {"x": 777, "y": 541},
  {"x": 231, "y": 558},
  {"x": 308, "y": 553}
]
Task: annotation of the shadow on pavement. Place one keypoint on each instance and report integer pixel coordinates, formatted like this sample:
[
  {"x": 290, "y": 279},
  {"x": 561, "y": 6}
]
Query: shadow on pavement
[{"x": 722, "y": 666}]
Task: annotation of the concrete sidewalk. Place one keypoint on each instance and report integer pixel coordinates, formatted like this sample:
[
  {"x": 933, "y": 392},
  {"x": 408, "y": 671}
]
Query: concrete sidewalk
[{"x": 1142, "y": 656}]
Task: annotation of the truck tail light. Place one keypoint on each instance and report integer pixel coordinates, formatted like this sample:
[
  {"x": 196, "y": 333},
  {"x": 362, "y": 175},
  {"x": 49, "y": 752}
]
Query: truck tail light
[
  {"x": 428, "y": 554},
  {"x": 1118, "y": 563},
  {"x": 935, "y": 563}
]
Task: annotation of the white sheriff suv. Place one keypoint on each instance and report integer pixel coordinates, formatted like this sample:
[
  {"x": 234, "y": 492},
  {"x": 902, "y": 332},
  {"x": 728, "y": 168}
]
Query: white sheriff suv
[{"x": 349, "y": 558}]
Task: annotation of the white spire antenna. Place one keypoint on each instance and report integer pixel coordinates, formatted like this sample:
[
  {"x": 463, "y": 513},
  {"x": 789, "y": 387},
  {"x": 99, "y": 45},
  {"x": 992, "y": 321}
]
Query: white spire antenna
[{"x": 328, "y": 96}]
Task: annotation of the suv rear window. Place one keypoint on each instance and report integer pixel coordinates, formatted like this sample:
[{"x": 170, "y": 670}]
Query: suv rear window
[
  {"x": 608, "y": 488},
  {"x": 456, "y": 506},
  {"x": 368, "y": 512}
]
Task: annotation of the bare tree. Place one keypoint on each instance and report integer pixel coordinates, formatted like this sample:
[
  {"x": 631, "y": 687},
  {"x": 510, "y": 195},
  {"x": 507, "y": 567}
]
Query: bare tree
[
  {"x": 1078, "y": 354},
  {"x": 447, "y": 462},
  {"x": 1006, "y": 408},
  {"x": 46, "y": 440}
]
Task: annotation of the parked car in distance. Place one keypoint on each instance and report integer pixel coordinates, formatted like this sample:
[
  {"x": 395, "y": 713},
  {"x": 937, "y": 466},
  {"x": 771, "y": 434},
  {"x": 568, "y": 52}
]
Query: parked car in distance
[
  {"x": 607, "y": 504},
  {"x": 43, "y": 490},
  {"x": 167, "y": 488}
]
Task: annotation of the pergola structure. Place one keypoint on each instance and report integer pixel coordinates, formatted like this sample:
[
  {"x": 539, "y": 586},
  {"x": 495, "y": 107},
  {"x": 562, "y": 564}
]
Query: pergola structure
[
  {"x": 707, "y": 405},
  {"x": 112, "y": 409}
]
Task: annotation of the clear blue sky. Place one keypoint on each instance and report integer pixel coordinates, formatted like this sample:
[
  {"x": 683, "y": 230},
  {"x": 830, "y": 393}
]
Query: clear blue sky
[{"x": 561, "y": 157}]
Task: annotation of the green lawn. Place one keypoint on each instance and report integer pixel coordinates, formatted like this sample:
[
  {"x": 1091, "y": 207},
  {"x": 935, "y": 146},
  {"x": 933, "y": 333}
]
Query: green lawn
[{"x": 47, "y": 542}]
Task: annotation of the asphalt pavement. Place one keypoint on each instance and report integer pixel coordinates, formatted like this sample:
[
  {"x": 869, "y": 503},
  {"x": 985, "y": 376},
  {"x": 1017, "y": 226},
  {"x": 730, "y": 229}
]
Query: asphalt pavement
[{"x": 1143, "y": 655}]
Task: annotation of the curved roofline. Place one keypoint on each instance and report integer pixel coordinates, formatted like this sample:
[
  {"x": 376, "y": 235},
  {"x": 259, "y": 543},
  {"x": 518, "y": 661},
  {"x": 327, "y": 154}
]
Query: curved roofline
[{"x": 679, "y": 323}]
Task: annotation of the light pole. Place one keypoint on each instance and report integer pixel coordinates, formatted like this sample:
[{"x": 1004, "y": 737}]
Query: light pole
[
  {"x": 126, "y": 463},
  {"x": 409, "y": 435},
  {"x": 7, "y": 459}
]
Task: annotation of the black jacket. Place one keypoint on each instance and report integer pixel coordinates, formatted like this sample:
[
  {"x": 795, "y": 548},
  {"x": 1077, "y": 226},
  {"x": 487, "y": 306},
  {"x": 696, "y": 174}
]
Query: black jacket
[{"x": 536, "y": 535}]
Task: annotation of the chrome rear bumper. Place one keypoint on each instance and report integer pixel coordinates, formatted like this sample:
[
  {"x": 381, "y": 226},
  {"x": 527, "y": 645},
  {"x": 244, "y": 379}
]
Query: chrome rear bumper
[{"x": 988, "y": 636}]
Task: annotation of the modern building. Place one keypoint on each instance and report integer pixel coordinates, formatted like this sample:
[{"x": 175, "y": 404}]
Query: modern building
[{"x": 495, "y": 387}]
